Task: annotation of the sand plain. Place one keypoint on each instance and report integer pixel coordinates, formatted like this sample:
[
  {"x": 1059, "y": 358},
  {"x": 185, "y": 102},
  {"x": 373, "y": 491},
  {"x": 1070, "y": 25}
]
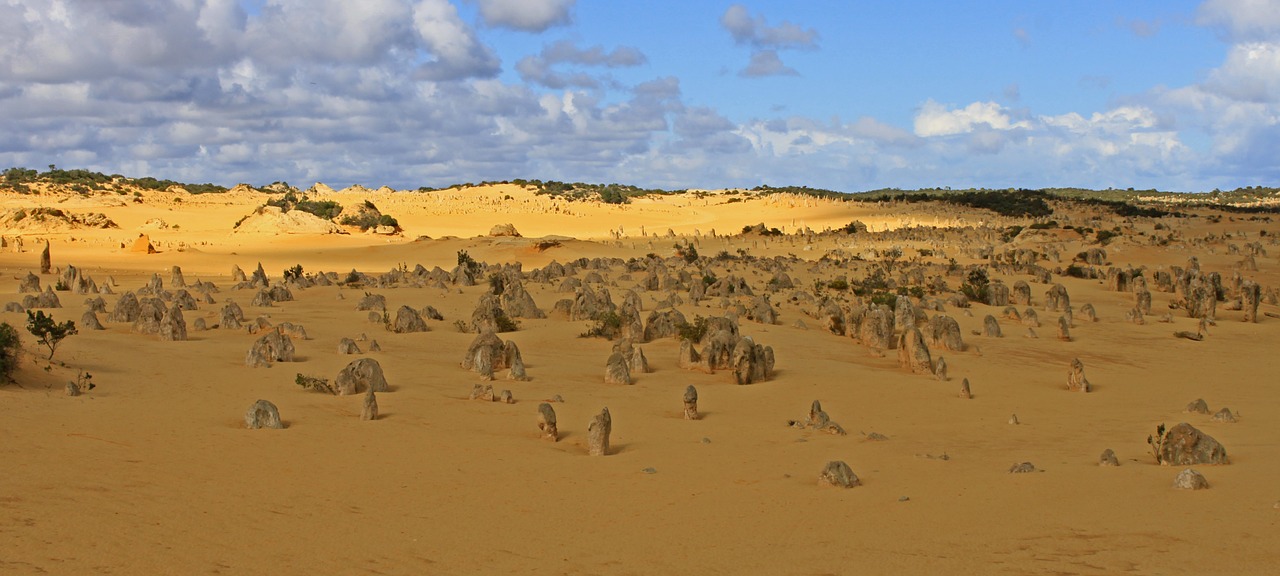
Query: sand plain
[{"x": 152, "y": 472}]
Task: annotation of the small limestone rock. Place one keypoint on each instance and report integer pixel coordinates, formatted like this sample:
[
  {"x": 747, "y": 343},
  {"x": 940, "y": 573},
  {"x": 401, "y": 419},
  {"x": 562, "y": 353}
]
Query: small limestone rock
[
  {"x": 348, "y": 346},
  {"x": 506, "y": 397},
  {"x": 1064, "y": 329},
  {"x": 1023, "y": 468},
  {"x": 547, "y": 422},
  {"x": 1190, "y": 480},
  {"x": 876, "y": 437},
  {"x": 369, "y": 410},
  {"x": 965, "y": 392},
  {"x": 1013, "y": 419},
  {"x": 691, "y": 403},
  {"x": 837, "y": 473},
  {"x": 73, "y": 389},
  {"x": 598, "y": 432},
  {"x": 262, "y": 414},
  {"x": 940, "y": 369},
  {"x": 483, "y": 392},
  {"x": 1108, "y": 458},
  {"x": 1224, "y": 415},
  {"x": 1076, "y": 382},
  {"x": 616, "y": 370},
  {"x": 373, "y": 346},
  {"x": 1199, "y": 406}
]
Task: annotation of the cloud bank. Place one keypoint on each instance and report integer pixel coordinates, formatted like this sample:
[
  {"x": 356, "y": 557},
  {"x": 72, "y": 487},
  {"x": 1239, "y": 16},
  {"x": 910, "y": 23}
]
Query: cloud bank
[{"x": 410, "y": 93}]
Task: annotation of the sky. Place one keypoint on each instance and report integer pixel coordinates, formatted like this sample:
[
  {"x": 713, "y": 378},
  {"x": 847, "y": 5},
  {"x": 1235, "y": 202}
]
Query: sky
[{"x": 840, "y": 94}]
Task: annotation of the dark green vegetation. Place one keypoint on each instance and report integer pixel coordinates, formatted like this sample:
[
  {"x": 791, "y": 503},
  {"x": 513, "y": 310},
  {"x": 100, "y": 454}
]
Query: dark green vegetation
[
  {"x": 1012, "y": 202},
  {"x": 607, "y": 193},
  {"x": 49, "y": 332},
  {"x": 327, "y": 209},
  {"x": 369, "y": 219},
  {"x": 85, "y": 181},
  {"x": 10, "y": 345}
]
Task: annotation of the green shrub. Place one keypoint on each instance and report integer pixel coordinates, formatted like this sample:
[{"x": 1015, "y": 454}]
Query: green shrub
[
  {"x": 505, "y": 323},
  {"x": 49, "y": 332},
  {"x": 975, "y": 285},
  {"x": 838, "y": 284},
  {"x": 693, "y": 332},
  {"x": 607, "y": 325},
  {"x": 884, "y": 298},
  {"x": 10, "y": 346}
]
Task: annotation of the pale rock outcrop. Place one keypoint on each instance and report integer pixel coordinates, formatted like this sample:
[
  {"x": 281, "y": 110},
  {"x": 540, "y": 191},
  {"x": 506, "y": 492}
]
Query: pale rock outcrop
[{"x": 361, "y": 374}]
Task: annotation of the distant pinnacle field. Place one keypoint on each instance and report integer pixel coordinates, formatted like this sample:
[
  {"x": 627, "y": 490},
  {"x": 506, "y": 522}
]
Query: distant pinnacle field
[{"x": 489, "y": 379}]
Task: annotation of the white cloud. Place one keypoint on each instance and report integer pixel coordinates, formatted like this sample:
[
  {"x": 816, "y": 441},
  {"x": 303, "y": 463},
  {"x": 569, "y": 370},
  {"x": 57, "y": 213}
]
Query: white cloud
[
  {"x": 1241, "y": 20},
  {"x": 458, "y": 54},
  {"x": 527, "y": 15},
  {"x": 936, "y": 119}
]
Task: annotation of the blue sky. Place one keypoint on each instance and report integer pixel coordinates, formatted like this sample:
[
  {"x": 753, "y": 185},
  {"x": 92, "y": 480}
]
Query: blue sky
[{"x": 1176, "y": 95}]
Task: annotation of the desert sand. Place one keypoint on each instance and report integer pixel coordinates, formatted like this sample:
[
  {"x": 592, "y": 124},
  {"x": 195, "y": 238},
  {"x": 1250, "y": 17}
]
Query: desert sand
[{"x": 154, "y": 472}]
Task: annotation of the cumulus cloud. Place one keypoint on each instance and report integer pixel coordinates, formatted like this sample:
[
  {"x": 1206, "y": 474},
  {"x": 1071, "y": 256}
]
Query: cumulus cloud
[
  {"x": 767, "y": 63},
  {"x": 407, "y": 93},
  {"x": 526, "y": 15},
  {"x": 458, "y": 54},
  {"x": 936, "y": 119},
  {"x": 539, "y": 69},
  {"x": 755, "y": 32},
  {"x": 765, "y": 41},
  {"x": 1241, "y": 20}
]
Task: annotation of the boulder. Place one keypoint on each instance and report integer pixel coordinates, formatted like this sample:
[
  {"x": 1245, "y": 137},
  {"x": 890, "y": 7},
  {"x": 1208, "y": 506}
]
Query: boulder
[
  {"x": 1076, "y": 382},
  {"x": 46, "y": 263},
  {"x": 270, "y": 348},
  {"x": 616, "y": 370},
  {"x": 172, "y": 326},
  {"x": 504, "y": 230},
  {"x": 369, "y": 407},
  {"x": 837, "y": 473},
  {"x": 547, "y": 422},
  {"x": 1190, "y": 480},
  {"x": 691, "y": 403},
  {"x": 348, "y": 346},
  {"x": 913, "y": 353},
  {"x": 408, "y": 321},
  {"x": 1199, "y": 406},
  {"x": 361, "y": 374},
  {"x": 483, "y": 392},
  {"x": 262, "y": 414},
  {"x": 89, "y": 321},
  {"x": 29, "y": 284},
  {"x": 991, "y": 327},
  {"x": 1023, "y": 468},
  {"x": 945, "y": 332},
  {"x": 598, "y": 431},
  {"x": 1184, "y": 445},
  {"x": 230, "y": 318},
  {"x": 1250, "y": 296}
]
